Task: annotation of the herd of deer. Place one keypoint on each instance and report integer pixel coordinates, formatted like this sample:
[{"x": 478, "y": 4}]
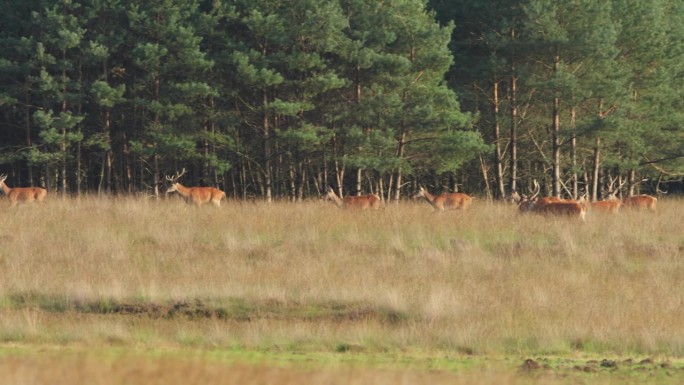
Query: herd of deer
[
  {"x": 578, "y": 208},
  {"x": 526, "y": 204},
  {"x": 446, "y": 201}
]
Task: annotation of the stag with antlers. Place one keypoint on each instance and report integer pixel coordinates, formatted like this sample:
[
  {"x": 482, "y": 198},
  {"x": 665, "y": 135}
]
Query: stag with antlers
[
  {"x": 612, "y": 203},
  {"x": 196, "y": 195},
  {"x": 550, "y": 205}
]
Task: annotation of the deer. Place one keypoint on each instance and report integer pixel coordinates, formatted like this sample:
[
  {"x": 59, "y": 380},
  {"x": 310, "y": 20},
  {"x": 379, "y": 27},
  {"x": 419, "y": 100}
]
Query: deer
[
  {"x": 22, "y": 194},
  {"x": 610, "y": 203},
  {"x": 551, "y": 205},
  {"x": 360, "y": 202},
  {"x": 195, "y": 195},
  {"x": 532, "y": 202},
  {"x": 445, "y": 201},
  {"x": 642, "y": 201}
]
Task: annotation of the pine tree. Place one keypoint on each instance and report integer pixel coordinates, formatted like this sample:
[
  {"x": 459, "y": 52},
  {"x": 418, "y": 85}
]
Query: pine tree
[{"x": 168, "y": 84}]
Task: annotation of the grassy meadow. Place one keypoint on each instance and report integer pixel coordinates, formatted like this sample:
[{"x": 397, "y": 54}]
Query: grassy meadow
[{"x": 126, "y": 290}]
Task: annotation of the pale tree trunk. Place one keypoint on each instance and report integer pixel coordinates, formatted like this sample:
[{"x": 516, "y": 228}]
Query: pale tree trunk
[
  {"x": 483, "y": 165},
  {"x": 266, "y": 128},
  {"x": 498, "y": 164},
  {"x": 514, "y": 119},
  {"x": 359, "y": 91},
  {"x": 555, "y": 137},
  {"x": 595, "y": 170},
  {"x": 27, "y": 123},
  {"x": 597, "y": 158},
  {"x": 339, "y": 168},
  {"x": 573, "y": 152},
  {"x": 631, "y": 181},
  {"x": 359, "y": 181},
  {"x": 63, "y": 144},
  {"x": 555, "y": 177},
  {"x": 400, "y": 154}
]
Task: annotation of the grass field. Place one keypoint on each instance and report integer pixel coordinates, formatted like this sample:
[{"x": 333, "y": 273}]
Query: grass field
[{"x": 104, "y": 290}]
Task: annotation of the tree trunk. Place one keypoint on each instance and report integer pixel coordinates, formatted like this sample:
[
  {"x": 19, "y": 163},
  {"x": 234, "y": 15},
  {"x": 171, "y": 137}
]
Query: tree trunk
[
  {"x": 555, "y": 137},
  {"x": 400, "y": 154},
  {"x": 514, "y": 117},
  {"x": 595, "y": 170},
  {"x": 27, "y": 124},
  {"x": 555, "y": 176},
  {"x": 573, "y": 153},
  {"x": 63, "y": 144},
  {"x": 498, "y": 165},
  {"x": 267, "y": 150},
  {"x": 483, "y": 165},
  {"x": 359, "y": 181}
]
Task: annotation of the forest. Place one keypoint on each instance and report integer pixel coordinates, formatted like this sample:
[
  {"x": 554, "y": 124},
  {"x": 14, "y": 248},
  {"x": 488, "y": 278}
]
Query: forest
[{"x": 278, "y": 99}]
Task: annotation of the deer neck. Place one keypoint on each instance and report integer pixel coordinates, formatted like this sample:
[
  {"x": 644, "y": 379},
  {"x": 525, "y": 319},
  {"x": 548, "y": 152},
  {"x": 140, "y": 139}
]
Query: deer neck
[
  {"x": 429, "y": 197},
  {"x": 338, "y": 201},
  {"x": 182, "y": 190},
  {"x": 5, "y": 188}
]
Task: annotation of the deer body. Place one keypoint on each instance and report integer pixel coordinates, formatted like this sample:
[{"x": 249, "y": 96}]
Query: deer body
[
  {"x": 446, "y": 201},
  {"x": 551, "y": 205},
  {"x": 196, "y": 195},
  {"x": 641, "y": 202},
  {"x": 360, "y": 202},
  {"x": 22, "y": 194},
  {"x": 199, "y": 195},
  {"x": 607, "y": 206},
  {"x": 569, "y": 209}
]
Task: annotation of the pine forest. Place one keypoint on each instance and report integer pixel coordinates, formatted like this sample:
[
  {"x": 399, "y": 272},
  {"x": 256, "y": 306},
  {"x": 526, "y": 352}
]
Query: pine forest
[{"x": 280, "y": 99}]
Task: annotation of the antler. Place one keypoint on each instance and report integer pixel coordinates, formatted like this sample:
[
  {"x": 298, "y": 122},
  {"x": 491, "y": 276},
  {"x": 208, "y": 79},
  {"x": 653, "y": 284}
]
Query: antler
[
  {"x": 535, "y": 192},
  {"x": 612, "y": 190},
  {"x": 175, "y": 177}
]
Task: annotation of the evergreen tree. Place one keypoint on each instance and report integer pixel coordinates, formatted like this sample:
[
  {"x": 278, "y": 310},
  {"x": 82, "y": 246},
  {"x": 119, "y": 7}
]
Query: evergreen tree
[
  {"x": 19, "y": 69},
  {"x": 398, "y": 103},
  {"x": 168, "y": 84},
  {"x": 649, "y": 133}
]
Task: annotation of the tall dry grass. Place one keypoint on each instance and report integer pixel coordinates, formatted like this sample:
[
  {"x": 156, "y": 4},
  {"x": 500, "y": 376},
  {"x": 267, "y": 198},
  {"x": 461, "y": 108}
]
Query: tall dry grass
[{"x": 313, "y": 277}]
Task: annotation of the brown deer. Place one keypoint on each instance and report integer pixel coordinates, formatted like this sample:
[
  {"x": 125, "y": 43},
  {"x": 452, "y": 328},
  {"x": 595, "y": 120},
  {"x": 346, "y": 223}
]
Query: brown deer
[
  {"x": 446, "y": 201},
  {"x": 551, "y": 205},
  {"x": 641, "y": 202},
  {"x": 196, "y": 195},
  {"x": 22, "y": 194},
  {"x": 613, "y": 204},
  {"x": 610, "y": 203},
  {"x": 360, "y": 202}
]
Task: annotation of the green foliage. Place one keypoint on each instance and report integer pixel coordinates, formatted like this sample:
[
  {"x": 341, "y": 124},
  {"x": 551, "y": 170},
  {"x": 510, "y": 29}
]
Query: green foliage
[{"x": 109, "y": 94}]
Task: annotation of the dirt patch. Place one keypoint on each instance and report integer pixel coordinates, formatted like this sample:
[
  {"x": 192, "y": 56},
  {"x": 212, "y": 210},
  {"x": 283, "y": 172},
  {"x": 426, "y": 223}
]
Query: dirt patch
[
  {"x": 627, "y": 366},
  {"x": 236, "y": 309}
]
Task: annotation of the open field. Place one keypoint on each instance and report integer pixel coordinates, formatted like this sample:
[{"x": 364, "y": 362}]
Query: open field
[{"x": 119, "y": 290}]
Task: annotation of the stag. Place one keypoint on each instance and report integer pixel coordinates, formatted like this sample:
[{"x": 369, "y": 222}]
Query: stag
[
  {"x": 196, "y": 195},
  {"x": 550, "y": 205},
  {"x": 610, "y": 202}
]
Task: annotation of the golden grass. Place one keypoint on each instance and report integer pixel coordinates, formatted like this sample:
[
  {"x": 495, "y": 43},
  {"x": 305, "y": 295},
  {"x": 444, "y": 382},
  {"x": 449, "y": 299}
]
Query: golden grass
[{"x": 313, "y": 278}]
